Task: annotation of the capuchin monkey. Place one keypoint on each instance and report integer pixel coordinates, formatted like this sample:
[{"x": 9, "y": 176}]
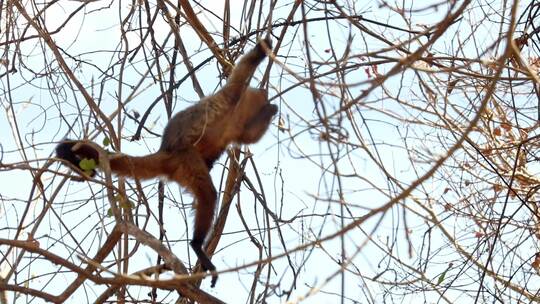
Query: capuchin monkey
[{"x": 194, "y": 139}]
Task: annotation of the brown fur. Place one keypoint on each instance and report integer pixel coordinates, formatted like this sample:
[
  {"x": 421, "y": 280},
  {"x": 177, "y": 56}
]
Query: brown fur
[{"x": 194, "y": 138}]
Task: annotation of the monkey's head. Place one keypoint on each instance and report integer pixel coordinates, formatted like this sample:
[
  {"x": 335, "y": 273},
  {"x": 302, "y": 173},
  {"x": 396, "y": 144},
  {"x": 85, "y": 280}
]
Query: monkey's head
[
  {"x": 251, "y": 102},
  {"x": 255, "y": 97}
]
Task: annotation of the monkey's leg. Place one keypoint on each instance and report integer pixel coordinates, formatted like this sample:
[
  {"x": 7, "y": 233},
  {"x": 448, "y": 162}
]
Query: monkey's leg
[
  {"x": 258, "y": 124},
  {"x": 192, "y": 173}
]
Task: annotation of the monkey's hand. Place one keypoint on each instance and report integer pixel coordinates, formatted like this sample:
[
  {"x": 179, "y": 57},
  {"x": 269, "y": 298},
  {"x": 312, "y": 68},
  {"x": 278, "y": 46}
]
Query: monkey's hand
[{"x": 259, "y": 52}]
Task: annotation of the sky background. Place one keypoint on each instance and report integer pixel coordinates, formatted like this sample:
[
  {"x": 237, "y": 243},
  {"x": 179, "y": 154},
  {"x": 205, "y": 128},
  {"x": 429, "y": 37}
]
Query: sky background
[{"x": 295, "y": 170}]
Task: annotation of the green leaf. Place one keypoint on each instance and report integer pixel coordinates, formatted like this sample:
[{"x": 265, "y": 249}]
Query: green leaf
[
  {"x": 87, "y": 164},
  {"x": 441, "y": 277},
  {"x": 127, "y": 204},
  {"x": 124, "y": 203},
  {"x": 106, "y": 141},
  {"x": 109, "y": 212}
]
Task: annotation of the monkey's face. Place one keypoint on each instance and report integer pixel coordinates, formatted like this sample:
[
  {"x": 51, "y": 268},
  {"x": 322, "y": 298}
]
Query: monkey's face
[{"x": 250, "y": 104}]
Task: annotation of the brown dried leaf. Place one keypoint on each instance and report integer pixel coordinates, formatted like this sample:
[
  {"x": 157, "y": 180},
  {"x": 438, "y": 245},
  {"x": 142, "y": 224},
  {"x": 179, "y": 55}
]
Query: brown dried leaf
[
  {"x": 451, "y": 86},
  {"x": 506, "y": 126}
]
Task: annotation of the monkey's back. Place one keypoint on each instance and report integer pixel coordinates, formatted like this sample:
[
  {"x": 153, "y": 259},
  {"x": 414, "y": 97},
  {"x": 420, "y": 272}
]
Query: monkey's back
[{"x": 200, "y": 126}]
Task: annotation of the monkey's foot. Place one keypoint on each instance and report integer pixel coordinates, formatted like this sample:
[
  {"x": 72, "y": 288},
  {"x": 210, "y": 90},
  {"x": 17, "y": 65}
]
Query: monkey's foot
[{"x": 206, "y": 264}]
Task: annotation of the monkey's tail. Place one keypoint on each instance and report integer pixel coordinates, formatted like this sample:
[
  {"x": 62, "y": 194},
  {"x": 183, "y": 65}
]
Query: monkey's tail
[{"x": 141, "y": 167}]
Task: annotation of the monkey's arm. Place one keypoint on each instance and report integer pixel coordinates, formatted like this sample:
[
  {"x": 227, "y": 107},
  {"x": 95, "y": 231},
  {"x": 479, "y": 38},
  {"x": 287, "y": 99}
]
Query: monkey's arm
[{"x": 244, "y": 69}]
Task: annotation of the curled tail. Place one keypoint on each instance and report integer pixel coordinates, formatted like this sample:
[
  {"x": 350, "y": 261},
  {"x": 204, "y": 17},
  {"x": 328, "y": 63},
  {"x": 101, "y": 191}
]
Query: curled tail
[
  {"x": 141, "y": 167},
  {"x": 64, "y": 151}
]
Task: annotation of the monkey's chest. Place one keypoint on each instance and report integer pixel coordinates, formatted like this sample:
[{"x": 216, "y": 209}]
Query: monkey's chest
[{"x": 212, "y": 142}]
